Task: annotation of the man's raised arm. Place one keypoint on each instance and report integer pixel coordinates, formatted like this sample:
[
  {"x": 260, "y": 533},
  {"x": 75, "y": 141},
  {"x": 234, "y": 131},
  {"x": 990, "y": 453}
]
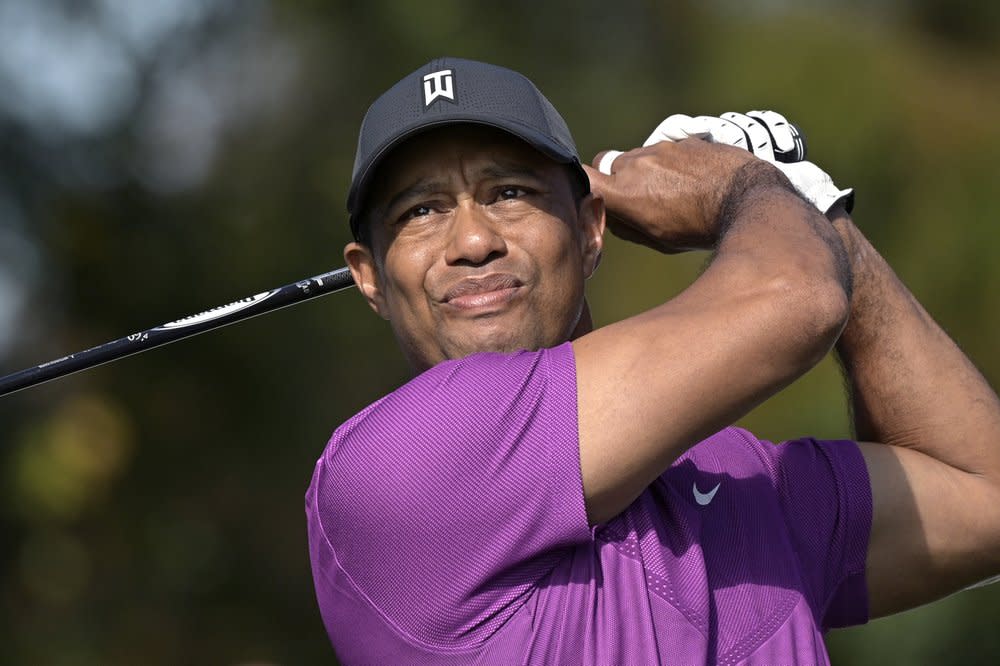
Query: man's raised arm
[
  {"x": 769, "y": 306},
  {"x": 936, "y": 486}
]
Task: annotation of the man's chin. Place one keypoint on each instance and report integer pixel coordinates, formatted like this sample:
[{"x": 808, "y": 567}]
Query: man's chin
[
  {"x": 504, "y": 342},
  {"x": 509, "y": 332},
  {"x": 494, "y": 346},
  {"x": 452, "y": 350}
]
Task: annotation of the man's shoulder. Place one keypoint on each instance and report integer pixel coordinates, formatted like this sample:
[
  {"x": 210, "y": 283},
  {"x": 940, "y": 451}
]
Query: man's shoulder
[
  {"x": 482, "y": 399},
  {"x": 467, "y": 382}
]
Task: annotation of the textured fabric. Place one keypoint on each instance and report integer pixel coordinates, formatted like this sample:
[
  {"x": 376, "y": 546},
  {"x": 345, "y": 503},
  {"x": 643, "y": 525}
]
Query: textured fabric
[{"x": 447, "y": 526}]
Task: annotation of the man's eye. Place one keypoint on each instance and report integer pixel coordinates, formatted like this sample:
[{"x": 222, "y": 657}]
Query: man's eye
[
  {"x": 416, "y": 211},
  {"x": 511, "y": 193}
]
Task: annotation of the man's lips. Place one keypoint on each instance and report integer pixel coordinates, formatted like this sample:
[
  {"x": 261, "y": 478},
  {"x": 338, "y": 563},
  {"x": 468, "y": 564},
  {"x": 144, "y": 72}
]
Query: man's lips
[{"x": 482, "y": 292}]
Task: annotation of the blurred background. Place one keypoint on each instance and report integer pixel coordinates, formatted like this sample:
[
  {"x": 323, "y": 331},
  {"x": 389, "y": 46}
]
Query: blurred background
[{"x": 161, "y": 157}]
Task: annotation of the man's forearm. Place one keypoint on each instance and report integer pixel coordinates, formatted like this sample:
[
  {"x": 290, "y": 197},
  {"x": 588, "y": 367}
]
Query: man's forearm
[
  {"x": 910, "y": 384},
  {"x": 774, "y": 236}
]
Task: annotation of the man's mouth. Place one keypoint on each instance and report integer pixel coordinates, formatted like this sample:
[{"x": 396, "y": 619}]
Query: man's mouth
[{"x": 483, "y": 293}]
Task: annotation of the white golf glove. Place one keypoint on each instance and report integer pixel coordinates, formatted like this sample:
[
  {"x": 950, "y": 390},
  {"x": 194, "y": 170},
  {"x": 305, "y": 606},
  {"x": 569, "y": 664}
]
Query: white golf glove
[
  {"x": 778, "y": 141},
  {"x": 766, "y": 134}
]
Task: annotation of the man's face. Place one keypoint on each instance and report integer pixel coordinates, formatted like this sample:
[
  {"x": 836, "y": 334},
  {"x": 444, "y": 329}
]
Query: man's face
[{"x": 478, "y": 244}]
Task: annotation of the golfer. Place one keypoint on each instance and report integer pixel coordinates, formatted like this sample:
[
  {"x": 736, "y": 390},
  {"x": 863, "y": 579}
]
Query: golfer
[{"x": 544, "y": 492}]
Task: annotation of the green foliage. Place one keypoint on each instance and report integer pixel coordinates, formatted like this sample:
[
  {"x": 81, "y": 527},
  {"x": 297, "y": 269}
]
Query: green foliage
[{"x": 152, "y": 510}]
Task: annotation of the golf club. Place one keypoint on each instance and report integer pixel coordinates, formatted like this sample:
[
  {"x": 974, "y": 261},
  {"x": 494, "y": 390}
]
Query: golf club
[{"x": 223, "y": 315}]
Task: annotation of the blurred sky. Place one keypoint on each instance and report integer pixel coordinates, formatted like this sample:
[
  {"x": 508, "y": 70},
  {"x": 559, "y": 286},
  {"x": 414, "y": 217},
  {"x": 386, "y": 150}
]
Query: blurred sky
[{"x": 72, "y": 74}]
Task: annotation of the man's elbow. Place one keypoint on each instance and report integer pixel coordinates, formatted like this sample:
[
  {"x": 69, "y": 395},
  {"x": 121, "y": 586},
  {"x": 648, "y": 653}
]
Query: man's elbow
[
  {"x": 817, "y": 309},
  {"x": 833, "y": 308}
]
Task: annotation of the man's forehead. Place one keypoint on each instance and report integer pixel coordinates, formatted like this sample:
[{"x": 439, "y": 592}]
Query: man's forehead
[
  {"x": 480, "y": 152},
  {"x": 467, "y": 142}
]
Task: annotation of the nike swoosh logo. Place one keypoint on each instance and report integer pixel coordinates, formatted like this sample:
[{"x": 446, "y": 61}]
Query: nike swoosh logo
[{"x": 704, "y": 499}]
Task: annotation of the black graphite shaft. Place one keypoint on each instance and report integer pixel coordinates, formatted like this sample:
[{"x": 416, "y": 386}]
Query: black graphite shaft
[{"x": 209, "y": 320}]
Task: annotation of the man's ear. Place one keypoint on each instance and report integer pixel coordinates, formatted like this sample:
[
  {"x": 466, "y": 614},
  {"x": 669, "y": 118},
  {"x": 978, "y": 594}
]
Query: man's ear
[
  {"x": 364, "y": 269},
  {"x": 591, "y": 216}
]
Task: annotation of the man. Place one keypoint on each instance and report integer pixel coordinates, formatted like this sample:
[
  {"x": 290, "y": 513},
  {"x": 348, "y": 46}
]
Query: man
[{"x": 543, "y": 492}]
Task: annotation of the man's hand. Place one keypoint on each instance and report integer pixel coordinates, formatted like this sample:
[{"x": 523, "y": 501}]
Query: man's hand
[
  {"x": 769, "y": 136},
  {"x": 673, "y": 196}
]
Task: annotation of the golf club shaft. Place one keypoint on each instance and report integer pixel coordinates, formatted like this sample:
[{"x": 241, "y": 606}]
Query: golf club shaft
[{"x": 240, "y": 310}]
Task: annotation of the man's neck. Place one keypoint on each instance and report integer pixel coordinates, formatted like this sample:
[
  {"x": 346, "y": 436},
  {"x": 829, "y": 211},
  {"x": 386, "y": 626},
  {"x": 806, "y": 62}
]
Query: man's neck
[{"x": 585, "y": 324}]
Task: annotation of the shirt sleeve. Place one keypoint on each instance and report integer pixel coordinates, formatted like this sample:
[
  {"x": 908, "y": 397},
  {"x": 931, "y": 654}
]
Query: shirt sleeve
[
  {"x": 825, "y": 493},
  {"x": 447, "y": 500}
]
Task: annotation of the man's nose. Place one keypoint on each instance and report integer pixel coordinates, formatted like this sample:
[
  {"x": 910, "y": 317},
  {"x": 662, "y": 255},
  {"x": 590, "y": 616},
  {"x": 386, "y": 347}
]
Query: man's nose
[{"x": 474, "y": 237}]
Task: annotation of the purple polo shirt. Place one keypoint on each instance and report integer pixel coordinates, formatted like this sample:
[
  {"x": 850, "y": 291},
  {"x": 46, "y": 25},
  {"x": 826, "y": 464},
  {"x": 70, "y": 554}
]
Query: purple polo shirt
[{"x": 447, "y": 526}]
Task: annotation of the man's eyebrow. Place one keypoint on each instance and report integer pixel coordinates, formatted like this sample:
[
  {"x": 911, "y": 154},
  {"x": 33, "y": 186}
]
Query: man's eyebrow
[{"x": 416, "y": 190}]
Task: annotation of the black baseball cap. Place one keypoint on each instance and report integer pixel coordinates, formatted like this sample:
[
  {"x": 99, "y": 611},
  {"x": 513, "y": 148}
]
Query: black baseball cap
[{"x": 449, "y": 91}]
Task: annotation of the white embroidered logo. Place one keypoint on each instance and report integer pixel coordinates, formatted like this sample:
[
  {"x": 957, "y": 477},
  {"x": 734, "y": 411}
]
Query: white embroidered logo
[
  {"x": 704, "y": 499},
  {"x": 439, "y": 84}
]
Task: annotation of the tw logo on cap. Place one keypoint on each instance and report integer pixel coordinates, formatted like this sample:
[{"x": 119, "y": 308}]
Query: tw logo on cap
[{"x": 439, "y": 85}]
